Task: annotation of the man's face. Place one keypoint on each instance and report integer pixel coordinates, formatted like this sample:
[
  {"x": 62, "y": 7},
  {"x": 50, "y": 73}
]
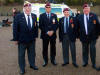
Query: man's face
[
  {"x": 86, "y": 10},
  {"x": 13, "y": 10},
  {"x": 78, "y": 12},
  {"x": 48, "y": 9},
  {"x": 66, "y": 13},
  {"x": 27, "y": 9}
]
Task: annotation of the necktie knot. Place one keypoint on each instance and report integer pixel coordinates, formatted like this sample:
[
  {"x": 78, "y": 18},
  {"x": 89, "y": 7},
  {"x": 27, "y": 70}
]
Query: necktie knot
[
  {"x": 87, "y": 17},
  {"x": 48, "y": 16},
  {"x": 28, "y": 15}
]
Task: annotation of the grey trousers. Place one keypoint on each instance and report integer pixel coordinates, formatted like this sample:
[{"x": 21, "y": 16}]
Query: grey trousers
[
  {"x": 66, "y": 43},
  {"x": 89, "y": 47}
]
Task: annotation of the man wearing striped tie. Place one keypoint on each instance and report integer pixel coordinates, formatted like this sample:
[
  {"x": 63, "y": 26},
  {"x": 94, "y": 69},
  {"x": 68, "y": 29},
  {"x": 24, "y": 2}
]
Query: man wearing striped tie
[
  {"x": 25, "y": 32},
  {"x": 67, "y": 35},
  {"x": 88, "y": 27}
]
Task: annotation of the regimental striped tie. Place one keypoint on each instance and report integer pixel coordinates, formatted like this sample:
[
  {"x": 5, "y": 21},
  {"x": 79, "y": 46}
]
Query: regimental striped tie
[
  {"x": 29, "y": 24},
  {"x": 87, "y": 23},
  {"x": 66, "y": 24}
]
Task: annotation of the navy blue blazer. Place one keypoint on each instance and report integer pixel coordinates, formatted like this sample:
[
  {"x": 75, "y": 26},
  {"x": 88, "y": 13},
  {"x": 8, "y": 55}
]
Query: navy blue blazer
[
  {"x": 46, "y": 25},
  {"x": 21, "y": 32},
  {"x": 71, "y": 29},
  {"x": 93, "y": 28}
]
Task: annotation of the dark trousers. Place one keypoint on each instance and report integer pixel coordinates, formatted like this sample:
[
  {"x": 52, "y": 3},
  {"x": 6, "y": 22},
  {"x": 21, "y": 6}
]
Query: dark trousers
[
  {"x": 66, "y": 43},
  {"x": 89, "y": 46},
  {"x": 21, "y": 54},
  {"x": 52, "y": 49}
]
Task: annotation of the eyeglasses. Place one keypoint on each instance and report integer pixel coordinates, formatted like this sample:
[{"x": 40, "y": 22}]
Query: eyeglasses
[
  {"x": 48, "y": 7},
  {"x": 27, "y": 5}
]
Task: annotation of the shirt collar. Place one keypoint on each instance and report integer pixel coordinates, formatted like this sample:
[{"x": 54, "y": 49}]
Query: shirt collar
[
  {"x": 48, "y": 13},
  {"x": 66, "y": 17},
  {"x": 26, "y": 14},
  {"x": 86, "y": 15}
]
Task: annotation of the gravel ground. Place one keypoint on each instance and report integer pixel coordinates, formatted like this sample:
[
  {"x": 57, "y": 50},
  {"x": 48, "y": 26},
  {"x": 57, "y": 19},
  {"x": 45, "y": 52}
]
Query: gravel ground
[
  {"x": 9, "y": 58},
  {"x": 9, "y": 61}
]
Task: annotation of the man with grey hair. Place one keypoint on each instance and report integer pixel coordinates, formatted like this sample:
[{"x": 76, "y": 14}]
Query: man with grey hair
[
  {"x": 88, "y": 27},
  {"x": 25, "y": 32}
]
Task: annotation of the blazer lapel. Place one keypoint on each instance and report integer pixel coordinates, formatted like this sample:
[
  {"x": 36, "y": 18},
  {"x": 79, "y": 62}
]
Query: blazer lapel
[
  {"x": 90, "y": 18},
  {"x": 46, "y": 16},
  {"x": 33, "y": 21},
  {"x": 24, "y": 19},
  {"x": 83, "y": 22},
  {"x": 69, "y": 20},
  {"x": 63, "y": 23},
  {"x": 50, "y": 16}
]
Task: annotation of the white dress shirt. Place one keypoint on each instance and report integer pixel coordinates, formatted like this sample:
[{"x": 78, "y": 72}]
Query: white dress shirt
[
  {"x": 85, "y": 23},
  {"x": 26, "y": 17}
]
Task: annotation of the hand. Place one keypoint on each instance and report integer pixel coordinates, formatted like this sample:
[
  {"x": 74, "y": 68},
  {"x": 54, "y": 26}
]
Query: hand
[
  {"x": 77, "y": 39},
  {"x": 50, "y": 33},
  {"x": 16, "y": 42}
]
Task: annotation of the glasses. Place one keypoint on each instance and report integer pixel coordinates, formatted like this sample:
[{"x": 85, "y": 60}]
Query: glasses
[
  {"x": 48, "y": 7},
  {"x": 27, "y": 5}
]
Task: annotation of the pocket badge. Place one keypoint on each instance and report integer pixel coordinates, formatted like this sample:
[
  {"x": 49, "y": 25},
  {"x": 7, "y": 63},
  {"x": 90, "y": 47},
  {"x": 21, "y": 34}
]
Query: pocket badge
[
  {"x": 72, "y": 25},
  {"x": 94, "y": 21},
  {"x": 53, "y": 21}
]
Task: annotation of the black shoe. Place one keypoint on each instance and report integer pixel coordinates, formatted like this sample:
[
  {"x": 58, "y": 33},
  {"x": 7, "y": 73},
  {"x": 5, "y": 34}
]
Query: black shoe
[
  {"x": 44, "y": 64},
  {"x": 75, "y": 65},
  {"x": 94, "y": 67},
  {"x": 34, "y": 67},
  {"x": 12, "y": 40},
  {"x": 54, "y": 62},
  {"x": 84, "y": 65},
  {"x": 22, "y": 72},
  {"x": 65, "y": 64},
  {"x": 98, "y": 69}
]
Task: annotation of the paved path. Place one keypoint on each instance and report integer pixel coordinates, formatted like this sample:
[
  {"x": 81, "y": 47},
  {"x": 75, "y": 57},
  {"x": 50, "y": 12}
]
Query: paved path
[{"x": 9, "y": 65}]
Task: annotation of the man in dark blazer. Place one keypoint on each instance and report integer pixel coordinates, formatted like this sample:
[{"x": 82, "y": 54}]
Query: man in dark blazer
[
  {"x": 67, "y": 35},
  {"x": 48, "y": 24},
  {"x": 88, "y": 27},
  {"x": 25, "y": 32}
]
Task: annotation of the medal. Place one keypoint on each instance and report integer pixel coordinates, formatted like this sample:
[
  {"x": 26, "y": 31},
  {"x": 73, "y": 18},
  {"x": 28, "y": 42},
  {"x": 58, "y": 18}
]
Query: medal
[
  {"x": 35, "y": 24},
  {"x": 53, "y": 21},
  {"x": 72, "y": 25},
  {"x": 94, "y": 21}
]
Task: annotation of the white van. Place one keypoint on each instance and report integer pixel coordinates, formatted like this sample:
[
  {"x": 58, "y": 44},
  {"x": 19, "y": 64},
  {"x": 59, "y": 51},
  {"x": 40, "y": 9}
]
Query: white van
[{"x": 56, "y": 8}]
